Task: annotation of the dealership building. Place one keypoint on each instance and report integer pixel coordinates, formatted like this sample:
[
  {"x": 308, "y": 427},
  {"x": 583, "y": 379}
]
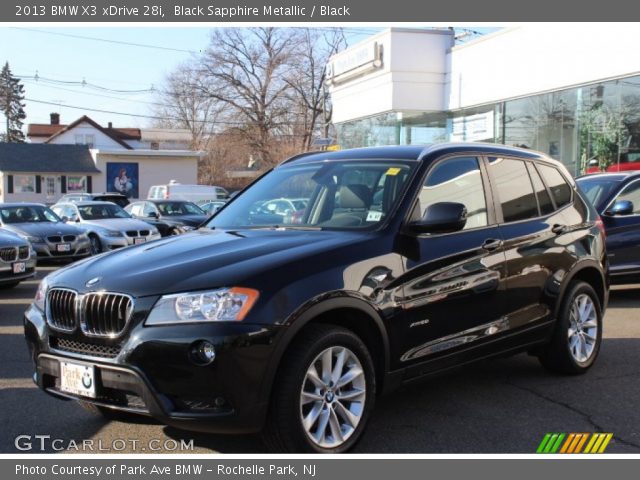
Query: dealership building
[{"x": 571, "y": 91}]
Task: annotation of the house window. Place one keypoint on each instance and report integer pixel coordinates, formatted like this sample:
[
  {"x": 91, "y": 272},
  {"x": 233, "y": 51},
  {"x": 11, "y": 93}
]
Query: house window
[
  {"x": 50, "y": 186},
  {"x": 85, "y": 139},
  {"x": 77, "y": 184},
  {"x": 155, "y": 145},
  {"x": 24, "y": 183}
]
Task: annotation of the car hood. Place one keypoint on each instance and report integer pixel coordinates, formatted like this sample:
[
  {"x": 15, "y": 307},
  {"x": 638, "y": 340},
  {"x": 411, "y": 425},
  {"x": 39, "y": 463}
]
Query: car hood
[
  {"x": 119, "y": 224},
  {"x": 10, "y": 239},
  {"x": 44, "y": 229},
  {"x": 200, "y": 260}
]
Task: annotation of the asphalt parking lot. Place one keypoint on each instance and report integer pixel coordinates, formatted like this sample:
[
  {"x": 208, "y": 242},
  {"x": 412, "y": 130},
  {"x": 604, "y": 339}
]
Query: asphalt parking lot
[{"x": 498, "y": 406}]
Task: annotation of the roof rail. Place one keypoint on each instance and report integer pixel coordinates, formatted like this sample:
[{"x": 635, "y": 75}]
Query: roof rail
[{"x": 296, "y": 157}]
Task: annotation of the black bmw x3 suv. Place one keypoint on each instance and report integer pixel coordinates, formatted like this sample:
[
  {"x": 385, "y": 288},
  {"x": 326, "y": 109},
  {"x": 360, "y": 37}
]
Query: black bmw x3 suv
[{"x": 404, "y": 262}]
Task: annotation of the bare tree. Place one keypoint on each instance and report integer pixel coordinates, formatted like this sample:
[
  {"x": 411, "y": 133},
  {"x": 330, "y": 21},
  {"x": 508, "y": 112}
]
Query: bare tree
[
  {"x": 181, "y": 106},
  {"x": 309, "y": 91},
  {"x": 255, "y": 96},
  {"x": 245, "y": 69}
]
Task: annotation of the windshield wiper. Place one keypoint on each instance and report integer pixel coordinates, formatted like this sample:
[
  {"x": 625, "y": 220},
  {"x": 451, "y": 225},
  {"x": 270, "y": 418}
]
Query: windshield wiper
[{"x": 285, "y": 227}]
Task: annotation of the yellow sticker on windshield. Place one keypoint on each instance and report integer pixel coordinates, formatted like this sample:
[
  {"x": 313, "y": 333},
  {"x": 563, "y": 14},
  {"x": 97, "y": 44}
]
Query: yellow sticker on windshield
[{"x": 393, "y": 171}]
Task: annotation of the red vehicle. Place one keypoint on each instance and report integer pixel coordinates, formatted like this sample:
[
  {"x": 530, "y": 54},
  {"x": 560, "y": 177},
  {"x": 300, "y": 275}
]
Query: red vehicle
[{"x": 628, "y": 161}]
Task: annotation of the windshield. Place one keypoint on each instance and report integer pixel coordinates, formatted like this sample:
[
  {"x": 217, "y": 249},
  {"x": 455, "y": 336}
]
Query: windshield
[
  {"x": 27, "y": 214},
  {"x": 101, "y": 211},
  {"x": 597, "y": 189},
  {"x": 179, "y": 208},
  {"x": 343, "y": 195}
]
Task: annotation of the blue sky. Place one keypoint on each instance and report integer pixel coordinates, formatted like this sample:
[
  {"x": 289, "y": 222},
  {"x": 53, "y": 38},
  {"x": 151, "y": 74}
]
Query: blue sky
[{"x": 59, "y": 54}]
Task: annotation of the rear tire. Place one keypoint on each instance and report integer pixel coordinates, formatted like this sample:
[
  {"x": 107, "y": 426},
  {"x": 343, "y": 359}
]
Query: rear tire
[
  {"x": 577, "y": 337},
  {"x": 316, "y": 409}
]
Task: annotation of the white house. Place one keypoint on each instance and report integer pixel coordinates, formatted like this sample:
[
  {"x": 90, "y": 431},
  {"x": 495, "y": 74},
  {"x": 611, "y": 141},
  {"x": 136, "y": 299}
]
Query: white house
[{"x": 129, "y": 160}]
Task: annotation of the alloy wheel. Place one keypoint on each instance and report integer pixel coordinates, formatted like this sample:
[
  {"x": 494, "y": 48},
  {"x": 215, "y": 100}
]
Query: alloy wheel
[
  {"x": 332, "y": 397},
  {"x": 95, "y": 245},
  {"x": 583, "y": 328}
]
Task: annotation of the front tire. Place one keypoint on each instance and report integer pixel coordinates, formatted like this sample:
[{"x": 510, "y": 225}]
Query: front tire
[
  {"x": 324, "y": 393},
  {"x": 577, "y": 337},
  {"x": 96, "y": 245}
]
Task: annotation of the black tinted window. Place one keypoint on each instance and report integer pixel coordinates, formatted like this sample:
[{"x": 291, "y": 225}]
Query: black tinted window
[
  {"x": 560, "y": 189},
  {"x": 544, "y": 200},
  {"x": 514, "y": 189},
  {"x": 457, "y": 180}
]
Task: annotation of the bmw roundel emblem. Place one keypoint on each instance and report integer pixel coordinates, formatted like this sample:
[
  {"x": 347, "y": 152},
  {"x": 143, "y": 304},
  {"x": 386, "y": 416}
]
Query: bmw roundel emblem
[
  {"x": 87, "y": 381},
  {"x": 93, "y": 282}
]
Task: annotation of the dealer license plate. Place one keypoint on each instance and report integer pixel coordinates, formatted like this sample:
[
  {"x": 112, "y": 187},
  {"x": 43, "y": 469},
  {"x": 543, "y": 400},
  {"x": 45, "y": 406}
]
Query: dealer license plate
[
  {"x": 137, "y": 241},
  {"x": 19, "y": 267},
  {"x": 63, "y": 247},
  {"x": 78, "y": 379}
]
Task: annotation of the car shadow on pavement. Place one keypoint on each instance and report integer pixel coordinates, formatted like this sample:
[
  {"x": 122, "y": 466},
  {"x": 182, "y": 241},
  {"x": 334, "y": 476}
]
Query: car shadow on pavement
[
  {"x": 503, "y": 405},
  {"x": 624, "y": 297}
]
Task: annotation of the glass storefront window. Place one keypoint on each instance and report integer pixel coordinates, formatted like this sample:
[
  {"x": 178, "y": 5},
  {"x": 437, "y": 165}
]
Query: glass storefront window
[{"x": 587, "y": 128}]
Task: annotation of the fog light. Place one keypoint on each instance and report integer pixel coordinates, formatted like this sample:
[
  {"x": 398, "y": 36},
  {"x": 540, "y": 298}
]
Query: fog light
[{"x": 203, "y": 352}]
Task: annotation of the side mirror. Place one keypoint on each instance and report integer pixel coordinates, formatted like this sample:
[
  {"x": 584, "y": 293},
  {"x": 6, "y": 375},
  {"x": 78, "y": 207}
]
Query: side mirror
[
  {"x": 621, "y": 207},
  {"x": 152, "y": 215},
  {"x": 65, "y": 219},
  {"x": 441, "y": 217}
]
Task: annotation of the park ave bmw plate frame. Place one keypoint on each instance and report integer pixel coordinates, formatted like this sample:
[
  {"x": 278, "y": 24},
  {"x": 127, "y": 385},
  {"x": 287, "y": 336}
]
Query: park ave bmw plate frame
[{"x": 78, "y": 379}]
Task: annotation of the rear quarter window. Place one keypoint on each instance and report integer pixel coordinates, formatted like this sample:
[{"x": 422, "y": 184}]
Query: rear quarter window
[{"x": 558, "y": 186}]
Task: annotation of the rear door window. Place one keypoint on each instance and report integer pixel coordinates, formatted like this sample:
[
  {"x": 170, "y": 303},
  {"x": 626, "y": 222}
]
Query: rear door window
[{"x": 514, "y": 189}]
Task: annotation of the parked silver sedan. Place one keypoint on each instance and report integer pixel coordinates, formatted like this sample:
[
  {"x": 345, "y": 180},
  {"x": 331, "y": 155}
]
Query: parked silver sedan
[
  {"x": 17, "y": 259},
  {"x": 49, "y": 236},
  {"x": 108, "y": 226}
]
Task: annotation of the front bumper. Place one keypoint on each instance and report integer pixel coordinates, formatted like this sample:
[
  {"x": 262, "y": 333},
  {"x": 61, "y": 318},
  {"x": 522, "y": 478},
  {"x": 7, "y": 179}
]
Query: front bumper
[
  {"x": 113, "y": 243},
  {"x": 6, "y": 271},
  {"x": 79, "y": 248},
  {"x": 150, "y": 371}
]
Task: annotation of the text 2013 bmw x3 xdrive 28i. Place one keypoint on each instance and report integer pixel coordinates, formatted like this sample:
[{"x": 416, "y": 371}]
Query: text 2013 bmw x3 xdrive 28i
[{"x": 401, "y": 262}]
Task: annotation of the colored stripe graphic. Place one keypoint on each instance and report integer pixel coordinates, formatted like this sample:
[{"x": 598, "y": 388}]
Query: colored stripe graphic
[
  {"x": 574, "y": 443},
  {"x": 550, "y": 443}
]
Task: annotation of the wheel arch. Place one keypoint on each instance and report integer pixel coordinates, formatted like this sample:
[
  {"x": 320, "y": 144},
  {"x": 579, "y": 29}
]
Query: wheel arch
[
  {"x": 342, "y": 310},
  {"x": 589, "y": 272}
]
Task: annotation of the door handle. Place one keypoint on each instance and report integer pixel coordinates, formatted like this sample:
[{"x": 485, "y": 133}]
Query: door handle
[
  {"x": 558, "y": 229},
  {"x": 491, "y": 244}
]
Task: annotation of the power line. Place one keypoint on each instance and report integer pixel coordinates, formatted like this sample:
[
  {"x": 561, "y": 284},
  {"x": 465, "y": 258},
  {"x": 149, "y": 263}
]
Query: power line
[
  {"x": 32, "y": 82},
  {"x": 82, "y": 83},
  {"x": 106, "y": 40},
  {"x": 158, "y": 117},
  {"x": 351, "y": 31}
]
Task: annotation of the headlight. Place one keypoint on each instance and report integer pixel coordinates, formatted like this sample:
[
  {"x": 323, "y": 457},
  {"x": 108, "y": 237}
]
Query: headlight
[
  {"x": 154, "y": 231},
  {"x": 186, "y": 228},
  {"x": 83, "y": 236},
  {"x": 222, "y": 305},
  {"x": 34, "y": 239},
  {"x": 113, "y": 233},
  {"x": 41, "y": 294}
]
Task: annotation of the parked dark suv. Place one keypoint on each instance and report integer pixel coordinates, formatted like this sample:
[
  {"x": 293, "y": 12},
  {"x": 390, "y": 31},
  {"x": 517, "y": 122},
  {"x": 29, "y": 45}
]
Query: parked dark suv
[
  {"x": 616, "y": 197},
  {"x": 405, "y": 262}
]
